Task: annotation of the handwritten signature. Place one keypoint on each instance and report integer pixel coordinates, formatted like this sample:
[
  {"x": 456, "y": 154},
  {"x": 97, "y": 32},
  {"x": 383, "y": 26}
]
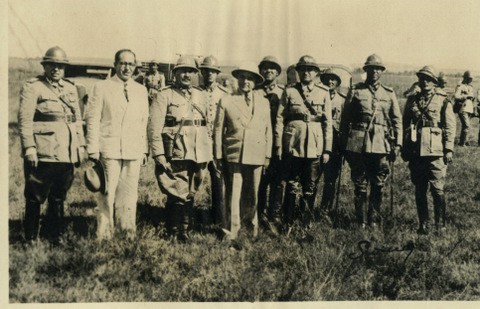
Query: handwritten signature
[{"x": 366, "y": 248}]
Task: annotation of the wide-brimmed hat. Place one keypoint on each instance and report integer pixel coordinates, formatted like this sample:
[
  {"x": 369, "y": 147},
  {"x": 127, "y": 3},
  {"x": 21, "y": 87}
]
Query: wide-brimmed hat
[
  {"x": 210, "y": 63},
  {"x": 250, "y": 68},
  {"x": 95, "y": 178},
  {"x": 374, "y": 61},
  {"x": 428, "y": 71},
  {"x": 307, "y": 61},
  {"x": 329, "y": 72},
  {"x": 270, "y": 60},
  {"x": 55, "y": 55},
  {"x": 186, "y": 62}
]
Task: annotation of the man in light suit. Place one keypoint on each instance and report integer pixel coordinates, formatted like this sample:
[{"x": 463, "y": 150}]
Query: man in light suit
[
  {"x": 116, "y": 117},
  {"x": 243, "y": 138}
]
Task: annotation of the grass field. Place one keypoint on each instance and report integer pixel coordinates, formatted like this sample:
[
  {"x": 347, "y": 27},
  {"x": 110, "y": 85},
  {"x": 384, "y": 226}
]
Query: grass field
[{"x": 322, "y": 263}]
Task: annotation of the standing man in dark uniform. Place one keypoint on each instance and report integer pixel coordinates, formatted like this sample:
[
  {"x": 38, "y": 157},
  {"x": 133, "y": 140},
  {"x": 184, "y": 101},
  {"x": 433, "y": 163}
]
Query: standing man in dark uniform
[
  {"x": 214, "y": 93},
  {"x": 52, "y": 142},
  {"x": 271, "y": 201},
  {"x": 429, "y": 124},
  {"x": 331, "y": 79},
  {"x": 303, "y": 138},
  {"x": 180, "y": 145},
  {"x": 371, "y": 127}
]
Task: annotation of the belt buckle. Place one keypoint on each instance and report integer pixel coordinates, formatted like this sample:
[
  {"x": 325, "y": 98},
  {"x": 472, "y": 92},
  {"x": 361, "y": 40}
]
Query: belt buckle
[
  {"x": 70, "y": 118},
  {"x": 306, "y": 117},
  {"x": 197, "y": 122}
]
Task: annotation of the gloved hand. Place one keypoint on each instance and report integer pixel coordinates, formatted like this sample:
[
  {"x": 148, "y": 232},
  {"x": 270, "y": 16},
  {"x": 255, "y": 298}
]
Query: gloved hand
[
  {"x": 394, "y": 153},
  {"x": 448, "y": 157},
  {"x": 325, "y": 158},
  {"x": 162, "y": 163},
  {"x": 32, "y": 160}
]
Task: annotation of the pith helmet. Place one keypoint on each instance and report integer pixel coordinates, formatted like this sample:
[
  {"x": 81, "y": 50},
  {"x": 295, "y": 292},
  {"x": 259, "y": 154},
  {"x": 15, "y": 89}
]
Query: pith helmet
[
  {"x": 211, "y": 63},
  {"x": 307, "y": 61},
  {"x": 329, "y": 72},
  {"x": 428, "y": 71},
  {"x": 467, "y": 75},
  {"x": 442, "y": 79},
  {"x": 186, "y": 62},
  {"x": 55, "y": 55},
  {"x": 270, "y": 60},
  {"x": 374, "y": 61},
  {"x": 249, "y": 68}
]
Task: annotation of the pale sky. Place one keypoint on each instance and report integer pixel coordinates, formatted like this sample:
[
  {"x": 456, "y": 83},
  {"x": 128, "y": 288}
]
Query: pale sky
[{"x": 443, "y": 33}]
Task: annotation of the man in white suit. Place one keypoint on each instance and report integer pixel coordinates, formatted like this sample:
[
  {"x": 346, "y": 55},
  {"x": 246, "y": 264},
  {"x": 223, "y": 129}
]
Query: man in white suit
[
  {"x": 117, "y": 117},
  {"x": 243, "y": 138}
]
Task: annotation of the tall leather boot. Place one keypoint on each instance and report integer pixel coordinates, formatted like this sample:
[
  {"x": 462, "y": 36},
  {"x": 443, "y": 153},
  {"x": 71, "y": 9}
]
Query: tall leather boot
[
  {"x": 31, "y": 221},
  {"x": 439, "y": 208},
  {"x": 328, "y": 196},
  {"x": 54, "y": 220},
  {"x": 361, "y": 208},
  {"x": 422, "y": 210},
  {"x": 376, "y": 197},
  {"x": 289, "y": 210},
  {"x": 463, "y": 138},
  {"x": 185, "y": 221}
]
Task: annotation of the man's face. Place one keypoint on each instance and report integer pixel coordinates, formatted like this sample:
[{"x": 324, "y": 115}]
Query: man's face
[
  {"x": 332, "y": 82},
  {"x": 246, "y": 82},
  {"x": 426, "y": 83},
  {"x": 183, "y": 77},
  {"x": 209, "y": 76},
  {"x": 307, "y": 74},
  {"x": 374, "y": 73},
  {"x": 152, "y": 67},
  {"x": 54, "y": 71},
  {"x": 269, "y": 72},
  {"x": 125, "y": 65}
]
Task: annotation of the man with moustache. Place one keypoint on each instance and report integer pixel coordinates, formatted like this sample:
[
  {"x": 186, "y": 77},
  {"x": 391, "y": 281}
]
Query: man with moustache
[
  {"x": 270, "y": 196},
  {"x": 243, "y": 139},
  {"x": 303, "y": 139},
  {"x": 180, "y": 145},
  {"x": 371, "y": 127},
  {"x": 429, "y": 124},
  {"x": 52, "y": 143},
  {"x": 116, "y": 118},
  {"x": 332, "y": 79},
  {"x": 214, "y": 93}
]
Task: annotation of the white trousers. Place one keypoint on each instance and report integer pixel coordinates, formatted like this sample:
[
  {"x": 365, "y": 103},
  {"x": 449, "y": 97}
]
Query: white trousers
[{"x": 119, "y": 205}]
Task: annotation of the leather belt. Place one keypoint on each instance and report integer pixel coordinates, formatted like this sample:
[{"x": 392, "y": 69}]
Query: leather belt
[
  {"x": 170, "y": 122},
  {"x": 304, "y": 117},
  {"x": 427, "y": 124},
  {"x": 69, "y": 118}
]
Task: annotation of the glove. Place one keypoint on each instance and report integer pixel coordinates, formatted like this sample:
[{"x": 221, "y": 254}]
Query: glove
[
  {"x": 325, "y": 158},
  {"x": 32, "y": 160},
  {"x": 278, "y": 152},
  {"x": 266, "y": 164},
  {"x": 448, "y": 157},
  {"x": 394, "y": 153},
  {"x": 162, "y": 163}
]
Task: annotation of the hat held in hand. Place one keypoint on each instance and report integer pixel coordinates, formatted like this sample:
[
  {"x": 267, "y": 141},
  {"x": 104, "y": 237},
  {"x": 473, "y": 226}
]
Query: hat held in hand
[{"x": 95, "y": 178}]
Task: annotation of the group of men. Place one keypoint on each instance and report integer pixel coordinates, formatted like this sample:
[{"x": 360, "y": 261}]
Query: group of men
[{"x": 265, "y": 146}]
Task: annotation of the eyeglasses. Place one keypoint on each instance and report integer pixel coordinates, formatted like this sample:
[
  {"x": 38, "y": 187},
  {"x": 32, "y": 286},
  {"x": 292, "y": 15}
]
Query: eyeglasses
[{"x": 124, "y": 64}]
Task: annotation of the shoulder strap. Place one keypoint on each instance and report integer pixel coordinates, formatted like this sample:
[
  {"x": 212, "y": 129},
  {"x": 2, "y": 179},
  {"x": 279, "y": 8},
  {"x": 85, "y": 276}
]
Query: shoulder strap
[
  {"x": 61, "y": 97},
  {"x": 305, "y": 101}
]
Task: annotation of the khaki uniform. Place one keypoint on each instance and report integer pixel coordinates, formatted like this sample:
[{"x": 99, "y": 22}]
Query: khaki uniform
[
  {"x": 429, "y": 124},
  {"x": 213, "y": 95},
  {"x": 178, "y": 130},
  {"x": 305, "y": 134},
  {"x": 50, "y": 126},
  {"x": 464, "y": 94},
  {"x": 334, "y": 165},
  {"x": 371, "y": 120}
]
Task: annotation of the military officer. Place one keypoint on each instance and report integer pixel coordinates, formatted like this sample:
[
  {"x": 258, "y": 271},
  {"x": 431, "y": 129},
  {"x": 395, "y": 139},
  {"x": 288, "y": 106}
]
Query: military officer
[
  {"x": 180, "y": 145},
  {"x": 332, "y": 79},
  {"x": 52, "y": 142},
  {"x": 214, "y": 92},
  {"x": 464, "y": 98},
  {"x": 303, "y": 138},
  {"x": 243, "y": 138},
  {"x": 271, "y": 189},
  {"x": 429, "y": 124},
  {"x": 371, "y": 128}
]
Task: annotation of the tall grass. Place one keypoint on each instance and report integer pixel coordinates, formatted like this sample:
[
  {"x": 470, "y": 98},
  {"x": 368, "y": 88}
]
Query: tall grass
[{"x": 322, "y": 263}]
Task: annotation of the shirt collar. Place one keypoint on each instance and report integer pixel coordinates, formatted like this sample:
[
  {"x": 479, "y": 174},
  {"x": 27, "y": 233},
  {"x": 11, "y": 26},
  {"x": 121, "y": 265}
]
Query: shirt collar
[
  {"x": 118, "y": 80},
  {"x": 59, "y": 83},
  {"x": 212, "y": 87}
]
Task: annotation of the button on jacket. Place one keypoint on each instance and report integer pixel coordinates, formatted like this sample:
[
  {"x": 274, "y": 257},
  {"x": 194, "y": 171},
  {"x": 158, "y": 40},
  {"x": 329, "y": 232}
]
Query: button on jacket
[
  {"x": 304, "y": 138},
  {"x": 117, "y": 127},
  {"x": 243, "y": 134},
  {"x": 54, "y": 141},
  {"x": 193, "y": 142}
]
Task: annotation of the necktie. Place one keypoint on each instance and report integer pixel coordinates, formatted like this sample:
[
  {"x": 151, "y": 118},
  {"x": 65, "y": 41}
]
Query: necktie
[
  {"x": 247, "y": 99},
  {"x": 125, "y": 91}
]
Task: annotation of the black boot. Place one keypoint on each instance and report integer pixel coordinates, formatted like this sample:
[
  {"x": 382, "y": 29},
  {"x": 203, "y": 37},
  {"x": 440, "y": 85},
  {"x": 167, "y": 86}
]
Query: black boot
[
  {"x": 54, "y": 220},
  {"x": 361, "y": 208},
  {"x": 463, "y": 138},
  {"x": 439, "y": 208},
  {"x": 422, "y": 210},
  {"x": 32, "y": 220},
  {"x": 376, "y": 197},
  {"x": 186, "y": 221},
  {"x": 289, "y": 211}
]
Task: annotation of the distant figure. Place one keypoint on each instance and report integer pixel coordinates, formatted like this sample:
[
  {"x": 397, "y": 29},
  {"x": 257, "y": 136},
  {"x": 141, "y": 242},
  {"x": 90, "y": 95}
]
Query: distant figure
[
  {"x": 464, "y": 98},
  {"x": 371, "y": 128},
  {"x": 243, "y": 140},
  {"x": 116, "y": 118},
  {"x": 429, "y": 133},
  {"x": 214, "y": 93},
  {"x": 52, "y": 143}
]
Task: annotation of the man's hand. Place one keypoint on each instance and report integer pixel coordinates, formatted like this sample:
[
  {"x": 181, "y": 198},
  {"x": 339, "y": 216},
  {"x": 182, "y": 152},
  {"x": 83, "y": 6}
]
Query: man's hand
[
  {"x": 32, "y": 160},
  {"x": 145, "y": 159},
  {"x": 161, "y": 161},
  {"x": 325, "y": 158},
  {"x": 94, "y": 156},
  {"x": 394, "y": 153},
  {"x": 266, "y": 164},
  {"x": 278, "y": 152},
  {"x": 448, "y": 157}
]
